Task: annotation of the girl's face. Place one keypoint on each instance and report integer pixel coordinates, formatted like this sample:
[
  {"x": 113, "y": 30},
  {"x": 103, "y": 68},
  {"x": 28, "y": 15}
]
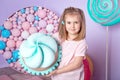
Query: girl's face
[{"x": 72, "y": 24}]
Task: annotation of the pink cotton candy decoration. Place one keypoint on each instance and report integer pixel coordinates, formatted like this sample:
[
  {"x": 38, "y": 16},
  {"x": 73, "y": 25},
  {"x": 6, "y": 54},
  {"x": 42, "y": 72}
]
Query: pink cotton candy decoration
[
  {"x": 49, "y": 16},
  {"x": 50, "y": 28},
  {"x": 18, "y": 69},
  {"x": 5, "y": 39},
  {"x": 27, "y": 11},
  {"x": 1, "y": 51},
  {"x": 14, "y": 25},
  {"x": 13, "y": 18},
  {"x": 10, "y": 43},
  {"x": 19, "y": 22},
  {"x": 31, "y": 11},
  {"x": 42, "y": 13},
  {"x": 19, "y": 27},
  {"x": 24, "y": 15},
  {"x": 23, "y": 71},
  {"x": 11, "y": 37},
  {"x": 7, "y": 24},
  {"x": 46, "y": 18},
  {"x": 11, "y": 64},
  {"x": 7, "y": 49},
  {"x": 15, "y": 32},
  {"x": 20, "y": 38},
  {"x": 18, "y": 43},
  {"x": 7, "y": 54},
  {"x": 55, "y": 29},
  {"x": 10, "y": 19},
  {"x": 15, "y": 38},
  {"x": 51, "y": 13},
  {"x": 55, "y": 17},
  {"x": 17, "y": 64},
  {"x": 25, "y": 25},
  {"x": 22, "y": 19},
  {"x": 19, "y": 13},
  {"x": 15, "y": 15},
  {"x": 42, "y": 23},
  {"x": 32, "y": 30},
  {"x": 43, "y": 31},
  {"x": 12, "y": 49},
  {"x": 30, "y": 18},
  {"x": 47, "y": 10},
  {"x": 25, "y": 34},
  {"x": 50, "y": 21}
]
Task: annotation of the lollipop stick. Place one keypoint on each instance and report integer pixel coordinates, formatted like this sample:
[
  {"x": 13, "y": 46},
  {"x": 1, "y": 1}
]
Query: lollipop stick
[{"x": 107, "y": 36}]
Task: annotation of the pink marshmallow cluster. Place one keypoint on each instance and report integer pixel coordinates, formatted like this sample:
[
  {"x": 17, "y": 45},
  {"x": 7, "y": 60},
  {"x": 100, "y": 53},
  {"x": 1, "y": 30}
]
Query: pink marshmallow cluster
[{"x": 24, "y": 23}]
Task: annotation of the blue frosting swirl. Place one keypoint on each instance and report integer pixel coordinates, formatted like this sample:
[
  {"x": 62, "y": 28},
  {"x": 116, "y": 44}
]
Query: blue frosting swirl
[{"x": 39, "y": 54}]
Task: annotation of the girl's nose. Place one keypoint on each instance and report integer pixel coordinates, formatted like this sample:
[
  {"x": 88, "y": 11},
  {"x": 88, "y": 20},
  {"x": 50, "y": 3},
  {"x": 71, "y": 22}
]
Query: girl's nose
[{"x": 73, "y": 24}]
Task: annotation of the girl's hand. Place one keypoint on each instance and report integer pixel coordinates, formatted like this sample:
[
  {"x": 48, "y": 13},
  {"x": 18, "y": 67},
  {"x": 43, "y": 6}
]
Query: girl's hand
[{"x": 52, "y": 73}]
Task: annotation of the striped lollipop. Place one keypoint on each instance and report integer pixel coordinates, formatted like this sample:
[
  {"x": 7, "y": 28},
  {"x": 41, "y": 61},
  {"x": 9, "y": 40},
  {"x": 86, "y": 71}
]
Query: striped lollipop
[{"x": 105, "y": 12}]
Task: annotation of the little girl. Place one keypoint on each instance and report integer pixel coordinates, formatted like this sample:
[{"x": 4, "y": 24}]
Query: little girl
[{"x": 71, "y": 37}]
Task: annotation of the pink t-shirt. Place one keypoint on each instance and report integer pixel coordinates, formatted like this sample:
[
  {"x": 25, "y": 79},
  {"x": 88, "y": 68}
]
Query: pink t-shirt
[{"x": 70, "y": 49}]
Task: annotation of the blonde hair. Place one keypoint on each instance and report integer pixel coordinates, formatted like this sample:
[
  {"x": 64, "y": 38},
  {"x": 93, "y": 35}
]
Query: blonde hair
[{"x": 62, "y": 29}]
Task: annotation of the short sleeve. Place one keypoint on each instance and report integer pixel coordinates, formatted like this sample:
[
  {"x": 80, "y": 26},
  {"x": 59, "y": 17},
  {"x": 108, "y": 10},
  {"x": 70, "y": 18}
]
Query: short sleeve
[{"x": 81, "y": 48}]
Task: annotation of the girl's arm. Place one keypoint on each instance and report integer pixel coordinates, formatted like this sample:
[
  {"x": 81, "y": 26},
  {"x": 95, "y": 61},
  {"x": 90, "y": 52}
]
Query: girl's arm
[{"x": 72, "y": 66}]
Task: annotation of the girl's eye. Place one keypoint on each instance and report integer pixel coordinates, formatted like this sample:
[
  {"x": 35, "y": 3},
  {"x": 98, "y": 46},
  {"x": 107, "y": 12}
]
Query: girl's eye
[
  {"x": 76, "y": 22},
  {"x": 68, "y": 22}
]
